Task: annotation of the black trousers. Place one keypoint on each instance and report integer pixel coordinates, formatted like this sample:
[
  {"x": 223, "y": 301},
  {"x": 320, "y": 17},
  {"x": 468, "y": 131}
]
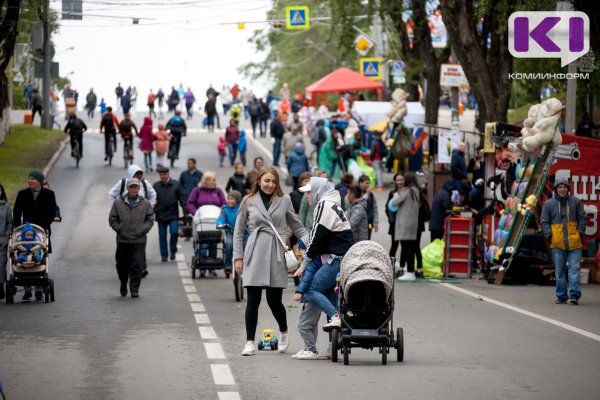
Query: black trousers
[
  {"x": 274, "y": 296},
  {"x": 131, "y": 258},
  {"x": 77, "y": 137},
  {"x": 407, "y": 253},
  {"x": 437, "y": 234},
  {"x": 254, "y": 121},
  {"x": 36, "y": 109}
]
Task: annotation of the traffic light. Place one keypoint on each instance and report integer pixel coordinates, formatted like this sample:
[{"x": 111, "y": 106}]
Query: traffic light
[{"x": 278, "y": 25}]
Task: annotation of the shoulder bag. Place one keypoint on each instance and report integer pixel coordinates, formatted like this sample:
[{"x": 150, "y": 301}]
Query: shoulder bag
[{"x": 291, "y": 261}]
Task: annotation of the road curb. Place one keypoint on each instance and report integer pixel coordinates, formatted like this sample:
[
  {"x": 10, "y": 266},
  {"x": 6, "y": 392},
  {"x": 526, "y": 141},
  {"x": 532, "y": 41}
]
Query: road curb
[{"x": 55, "y": 156}]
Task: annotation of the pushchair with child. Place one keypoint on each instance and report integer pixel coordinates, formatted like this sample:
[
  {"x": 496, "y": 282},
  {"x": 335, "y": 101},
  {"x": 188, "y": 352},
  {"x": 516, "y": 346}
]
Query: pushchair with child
[
  {"x": 366, "y": 290},
  {"x": 209, "y": 242},
  {"x": 29, "y": 264}
]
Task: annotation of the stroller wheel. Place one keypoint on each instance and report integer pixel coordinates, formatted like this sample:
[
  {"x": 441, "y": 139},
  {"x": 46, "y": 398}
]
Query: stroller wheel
[
  {"x": 384, "y": 353},
  {"x": 10, "y": 293},
  {"x": 399, "y": 345},
  {"x": 346, "y": 353},
  {"x": 334, "y": 346},
  {"x": 52, "y": 291}
]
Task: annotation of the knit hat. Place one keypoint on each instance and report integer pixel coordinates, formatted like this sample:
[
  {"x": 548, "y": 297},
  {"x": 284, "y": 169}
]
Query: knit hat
[
  {"x": 236, "y": 195},
  {"x": 38, "y": 176}
]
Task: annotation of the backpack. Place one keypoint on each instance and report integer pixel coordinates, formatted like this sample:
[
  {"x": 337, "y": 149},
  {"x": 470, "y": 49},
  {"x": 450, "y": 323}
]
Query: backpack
[
  {"x": 107, "y": 121},
  {"x": 296, "y": 106},
  {"x": 125, "y": 126},
  {"x": 424, "y": 210},
  {"x": 316, "y": 136},
  {"x": 382, "y": 149},
  {"x": 254, "y": 110},
  {"x": 123, "y": 187}
]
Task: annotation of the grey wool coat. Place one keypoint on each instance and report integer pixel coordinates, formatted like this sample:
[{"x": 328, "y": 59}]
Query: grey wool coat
[
  {"x": 264, "y": 260},
  {"x": 407, "y": 218}
]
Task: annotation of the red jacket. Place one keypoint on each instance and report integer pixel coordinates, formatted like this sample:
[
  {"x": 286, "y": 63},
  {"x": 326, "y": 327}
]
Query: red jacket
[
  {"x": 232, "y": 135},
  {"x": 146, "y": 135}
]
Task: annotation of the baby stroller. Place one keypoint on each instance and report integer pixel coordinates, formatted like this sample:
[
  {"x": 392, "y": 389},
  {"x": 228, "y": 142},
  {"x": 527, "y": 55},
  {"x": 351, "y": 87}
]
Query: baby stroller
[
  {"x": 205, "y": 234},
  {"x": 34, "y": 271},
  {"x": 367, "y": 303}
]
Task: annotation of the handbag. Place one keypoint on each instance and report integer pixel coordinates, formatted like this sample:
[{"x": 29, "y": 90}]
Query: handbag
[{"x": 291, "y": 261}]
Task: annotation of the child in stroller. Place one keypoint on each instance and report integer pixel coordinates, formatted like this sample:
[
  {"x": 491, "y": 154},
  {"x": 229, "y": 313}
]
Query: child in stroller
[{"x": 28, "y": 252}]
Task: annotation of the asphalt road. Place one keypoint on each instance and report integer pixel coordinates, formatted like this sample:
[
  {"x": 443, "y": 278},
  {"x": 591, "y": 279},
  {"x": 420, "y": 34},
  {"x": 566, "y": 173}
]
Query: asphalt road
[{"x": 182, "y": 338}]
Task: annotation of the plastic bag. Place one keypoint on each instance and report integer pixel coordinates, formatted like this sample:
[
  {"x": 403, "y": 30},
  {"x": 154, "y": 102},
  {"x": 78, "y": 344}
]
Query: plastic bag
[{"x": 433, "y": 259}]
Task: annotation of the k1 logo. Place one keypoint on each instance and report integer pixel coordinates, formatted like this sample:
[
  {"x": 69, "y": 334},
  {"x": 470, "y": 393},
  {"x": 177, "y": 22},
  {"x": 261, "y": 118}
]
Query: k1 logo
[{"x": 549, "y": 34}]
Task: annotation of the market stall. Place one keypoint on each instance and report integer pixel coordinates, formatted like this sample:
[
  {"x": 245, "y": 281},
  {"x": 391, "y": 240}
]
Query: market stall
[{"x": 343, "y": 80}]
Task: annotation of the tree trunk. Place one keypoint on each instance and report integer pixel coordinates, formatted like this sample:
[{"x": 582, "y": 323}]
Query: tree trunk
[
  {"x": 8, "y": 36},
  {"x": 486, "y": 68}
]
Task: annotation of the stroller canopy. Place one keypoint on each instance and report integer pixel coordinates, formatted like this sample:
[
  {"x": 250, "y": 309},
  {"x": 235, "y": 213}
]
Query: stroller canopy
[{"x": 366, "y": 261}]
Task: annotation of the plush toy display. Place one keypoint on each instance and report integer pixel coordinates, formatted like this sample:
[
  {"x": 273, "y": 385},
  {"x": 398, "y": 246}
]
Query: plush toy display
[
  {"x": 398, "y": 110},
  {"x": 545, "y": 129}
]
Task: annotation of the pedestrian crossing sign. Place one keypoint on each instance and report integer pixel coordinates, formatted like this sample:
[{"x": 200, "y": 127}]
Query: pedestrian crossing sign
[
  {"x": 297, "y": 17},
  {"x": 371, "y": 68}
]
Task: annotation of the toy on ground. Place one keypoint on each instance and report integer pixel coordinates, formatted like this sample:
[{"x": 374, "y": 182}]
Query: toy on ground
[{"x": 268, "y": 340}]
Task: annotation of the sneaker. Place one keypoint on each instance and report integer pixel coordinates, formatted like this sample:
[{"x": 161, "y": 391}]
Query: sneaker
[
  {"x": 134, "y": 294},
  {"x": 284, "y": 342},
  {"x": 105, "y": 158},
  {"x": 213, "y": 273},
  {"x": 310, "y": 355},
  {"x": 164, "y": 259},
  {"x": 574, "y": 301},
  {"x": 249, "y": 349},
  {"x": 39, "y": 295},
  {"x": 27, "y": 295},
  {"x": 559, "y": 301},
  {"x": 408, "y": 276},
  {"x": 419, "y": 275},
  {"x": 335, "y": 323},
  {"x": 202, "y": 275},
  {"x": 298, "y": 354}
]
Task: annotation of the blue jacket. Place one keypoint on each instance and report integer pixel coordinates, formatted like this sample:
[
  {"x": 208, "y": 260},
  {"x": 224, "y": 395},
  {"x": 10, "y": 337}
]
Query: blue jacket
[
  {"x": 242, "y": 143},
  {"x": 297, "y": 162},
  {"x": 458, "y": 166},
  {"x": 228, "y": 216},
  {"x": 308, "y": 275},
  {"x": 189, "y": 181},
  {"x": 441, "y": 203}
]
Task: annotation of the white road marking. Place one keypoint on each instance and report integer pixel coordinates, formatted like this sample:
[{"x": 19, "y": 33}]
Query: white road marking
[
  {"x": 197, "y": 307},
  {"x": 179, "y": 257},
  {"x": 202, "y": 319},
  {"x": 189, "y": 288},
  {"x": 182, "y": 265},
  {"x": 207, "y": 332},
  {"x": 568, "y": 327},
  {"x": 214, "y": 351},
  {"x": 187, "y": 281},
  {"x": 184, "y": 273},
  {"x": 222, "y": 374},
  {"x": 229, "y": 396},
  {"x": 193, "y": 298},
  {"x": 179, "y": 247}
]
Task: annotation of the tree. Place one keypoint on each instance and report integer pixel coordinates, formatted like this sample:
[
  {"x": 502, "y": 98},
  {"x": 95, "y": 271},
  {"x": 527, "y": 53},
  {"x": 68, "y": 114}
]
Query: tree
[
  {"x": 9, "y": 14},
  {"x": 486, "y": 67}
]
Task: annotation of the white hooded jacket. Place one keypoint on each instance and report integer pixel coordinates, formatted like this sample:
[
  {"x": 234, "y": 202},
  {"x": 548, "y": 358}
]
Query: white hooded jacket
[{"x": 113, "y": 193}]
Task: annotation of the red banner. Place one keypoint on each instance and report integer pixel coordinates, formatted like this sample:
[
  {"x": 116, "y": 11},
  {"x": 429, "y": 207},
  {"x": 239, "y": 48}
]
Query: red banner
[{"x": 578, "y": 160}]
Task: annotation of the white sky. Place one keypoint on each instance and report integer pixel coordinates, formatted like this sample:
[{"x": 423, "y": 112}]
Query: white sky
[{"x": 185, "y": 42}]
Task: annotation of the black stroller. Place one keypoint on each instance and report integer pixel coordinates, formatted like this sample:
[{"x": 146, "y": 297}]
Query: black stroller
[{"x": 367, "y": 303}]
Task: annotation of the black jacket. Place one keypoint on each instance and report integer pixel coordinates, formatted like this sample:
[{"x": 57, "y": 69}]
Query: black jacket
[
  {"x": 75, "y": 126},
  {"x": 167, "y": 196},
  {"x": 277, "y": 129},
  {"x": 440, "y": 205},
  {"x": 40, "y": 211},
  {"x": 237, "y": 182}
]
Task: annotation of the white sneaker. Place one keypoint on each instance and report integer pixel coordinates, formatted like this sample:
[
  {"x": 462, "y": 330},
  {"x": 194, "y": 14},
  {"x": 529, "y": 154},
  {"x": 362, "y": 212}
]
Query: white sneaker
[
  {"x": 309, "y": 355},
  {"x": 249, "y": 349},
  {"x": 284, "y": 342},
  {"x": 298, "y": 354},
  {"x": 335, "y": 323},
  {"x": 408, "y": 276}
]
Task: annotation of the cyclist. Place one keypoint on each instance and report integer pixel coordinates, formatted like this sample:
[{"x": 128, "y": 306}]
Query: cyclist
[
  {"x": 178, "y": 129},
  {"x": 109, "y": 123},
  {"x": 126, "y": 129},
  {"x": 75, "y": 128}
]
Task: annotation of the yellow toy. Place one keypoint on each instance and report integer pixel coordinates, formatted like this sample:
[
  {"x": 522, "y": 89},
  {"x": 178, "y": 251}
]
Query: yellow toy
[{"x": 268, "y": 340}]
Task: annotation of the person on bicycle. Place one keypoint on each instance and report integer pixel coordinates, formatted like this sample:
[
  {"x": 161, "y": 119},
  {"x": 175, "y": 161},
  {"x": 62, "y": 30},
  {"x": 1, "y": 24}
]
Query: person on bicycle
[
  {"x": 75, "y": 128},
  {"x": 178, "y": 129},
  {"x": 108, "y": 124},
  {"x": 126, "y": 129}
]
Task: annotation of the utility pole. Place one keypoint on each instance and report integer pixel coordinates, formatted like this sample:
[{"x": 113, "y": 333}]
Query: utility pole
[
  {"x": 46, "y": 121},
  {"x": 380, "y": 51}
]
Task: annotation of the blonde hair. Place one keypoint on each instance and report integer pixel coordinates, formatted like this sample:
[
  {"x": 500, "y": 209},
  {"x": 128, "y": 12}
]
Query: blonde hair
[{"x": 206, "y": 176}]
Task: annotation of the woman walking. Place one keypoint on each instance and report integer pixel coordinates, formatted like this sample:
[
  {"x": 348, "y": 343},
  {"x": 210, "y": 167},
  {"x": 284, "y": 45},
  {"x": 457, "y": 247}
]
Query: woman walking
[
  {"x": 391, "y": 215},
  {"x": 6, "y": 227},
  {"x": 147, "y": 142},
  {"x": 265, "y": 210},
  {"x": 407, "y": 201}
]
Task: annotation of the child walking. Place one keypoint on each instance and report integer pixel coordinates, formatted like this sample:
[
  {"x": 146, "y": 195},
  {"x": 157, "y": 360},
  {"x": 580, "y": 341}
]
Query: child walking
[
  {"x": 238, "y": 181},
  {"x": 162, "y": 138},
  {"x": 242, "y": 147},
  {"x": 222, "y": 149},
  {"x": 226, "y": 222},
  {"x": 372, "y": 213},
  {"x": 357, "y": 214}
]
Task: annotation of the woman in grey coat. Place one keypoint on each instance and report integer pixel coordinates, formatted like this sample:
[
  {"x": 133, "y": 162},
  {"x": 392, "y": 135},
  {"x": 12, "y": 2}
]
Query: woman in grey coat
[
  {"x": 262, "y": 261},
  {"x": 408, "y": 200},
  {"x": 6, "y": 227}
]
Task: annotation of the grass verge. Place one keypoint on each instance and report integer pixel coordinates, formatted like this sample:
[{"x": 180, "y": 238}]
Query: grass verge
[{"x": 25, "y": 149}]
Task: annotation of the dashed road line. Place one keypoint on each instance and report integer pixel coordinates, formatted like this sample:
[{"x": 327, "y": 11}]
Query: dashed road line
[
  {"x": 214, "y": 351},
  {"x": 229, "y": 396},
  {"x": 197, "y": 307},
  {"x": 568, "y": 327},
  {"x": 207, "y": 332},
  {"x": 193, "y": 297},
  {"x": 222, "y": 374},
  {"x": 202, "y": 319}
]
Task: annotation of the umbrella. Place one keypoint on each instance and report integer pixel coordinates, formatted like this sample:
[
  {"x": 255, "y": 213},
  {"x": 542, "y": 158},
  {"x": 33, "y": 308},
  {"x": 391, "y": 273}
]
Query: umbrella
[{"x": 380, "y": 126}]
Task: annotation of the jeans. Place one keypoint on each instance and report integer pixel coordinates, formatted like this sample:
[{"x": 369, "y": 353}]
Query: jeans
[
  {"x": 221, "y": 159},
  {"x": 90, "y": 113},
  {"x": 208, "y": 250},
  {"x": 378, "y": 172},
  {"x": 324, "y": 279},
  {"x": 560, "y": 270},
  {"x": 148, "y": 160},
  {"x": 228, "y": 249},
  {"x": 263, "y": 126},
  {"x": 162, "y": 237},
  {"x": 246, "y": 112},
  {"x": 210, "y": 121},
  {"x": 276, "y": 152},
  {"x": 243, "y": 158},
  {"x": 232, "y": 148}
]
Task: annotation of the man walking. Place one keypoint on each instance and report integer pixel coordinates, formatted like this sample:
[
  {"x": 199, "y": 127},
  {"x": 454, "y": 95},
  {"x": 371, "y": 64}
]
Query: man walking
[
  {"x": 119, "y": 92},
  {"x": 563, "y": 223},
  {"x": 91, "y": 100},
  {"x": 277, "y": 131},
  {"x": 168, "y": 193},
  {"x": 190, "y": 178},
  {"x": 131, "y": 217},
  {"x": 35, "y": 205}
]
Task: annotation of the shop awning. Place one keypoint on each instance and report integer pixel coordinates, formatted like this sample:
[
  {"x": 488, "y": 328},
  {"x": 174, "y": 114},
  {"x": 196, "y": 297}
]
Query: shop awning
[{"x": 343, "y": 80}]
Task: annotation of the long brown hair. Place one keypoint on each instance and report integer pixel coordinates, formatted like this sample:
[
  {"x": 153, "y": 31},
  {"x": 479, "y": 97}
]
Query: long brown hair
[{"x": 256, "y": 186}]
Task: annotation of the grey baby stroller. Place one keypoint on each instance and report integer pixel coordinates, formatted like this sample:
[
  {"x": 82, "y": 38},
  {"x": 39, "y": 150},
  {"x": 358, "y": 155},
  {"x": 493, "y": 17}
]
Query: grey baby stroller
[
  {"x": 367, "y": 303},
  {"x": 209, "y": 242}
]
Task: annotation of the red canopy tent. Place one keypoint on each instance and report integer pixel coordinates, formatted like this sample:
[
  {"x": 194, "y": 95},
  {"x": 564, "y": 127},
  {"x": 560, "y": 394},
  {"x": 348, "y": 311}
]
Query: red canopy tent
[{"x": 343, "y": 80}]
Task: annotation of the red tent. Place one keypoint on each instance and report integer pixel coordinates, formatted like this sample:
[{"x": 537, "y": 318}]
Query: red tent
[{"x": 343, "y": 80}]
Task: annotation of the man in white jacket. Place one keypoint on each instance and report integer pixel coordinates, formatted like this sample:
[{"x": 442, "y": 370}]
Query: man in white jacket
[{"x": 120, "y": 189}]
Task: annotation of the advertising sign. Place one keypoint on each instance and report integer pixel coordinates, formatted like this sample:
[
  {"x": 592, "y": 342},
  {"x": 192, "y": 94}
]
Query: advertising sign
[
  {"x": 452, "y": 75},
  {"x": 447, "y": 141}
]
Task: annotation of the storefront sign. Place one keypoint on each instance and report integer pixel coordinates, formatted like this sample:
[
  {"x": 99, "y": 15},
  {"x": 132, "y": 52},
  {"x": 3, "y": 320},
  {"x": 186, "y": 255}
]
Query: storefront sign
[{"x": 452, "y": 75}]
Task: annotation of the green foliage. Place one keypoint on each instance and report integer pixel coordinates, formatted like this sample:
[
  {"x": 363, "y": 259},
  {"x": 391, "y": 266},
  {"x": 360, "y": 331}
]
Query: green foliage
[{"x": 26, "y": 148}]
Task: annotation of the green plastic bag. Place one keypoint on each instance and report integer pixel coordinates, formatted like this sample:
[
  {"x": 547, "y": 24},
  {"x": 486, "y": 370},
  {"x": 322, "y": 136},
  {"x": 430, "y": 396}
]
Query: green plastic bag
[{"x": 433, "y": 259}]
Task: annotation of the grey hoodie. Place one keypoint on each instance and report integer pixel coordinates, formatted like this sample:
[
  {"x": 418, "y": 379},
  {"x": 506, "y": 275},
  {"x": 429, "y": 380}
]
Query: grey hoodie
[
  {"x": 6, "y": 221},
  {"x": 113, "y": 193}
]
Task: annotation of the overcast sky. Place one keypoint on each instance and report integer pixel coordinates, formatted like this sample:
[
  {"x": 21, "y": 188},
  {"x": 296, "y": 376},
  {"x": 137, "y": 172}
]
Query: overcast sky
[{"x": 181, "y": 41}]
